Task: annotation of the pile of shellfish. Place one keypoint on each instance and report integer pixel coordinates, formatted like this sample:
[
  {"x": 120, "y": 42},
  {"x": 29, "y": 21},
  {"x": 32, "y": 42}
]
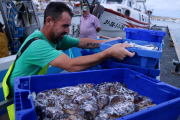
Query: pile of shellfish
[{"x": 104, "y": 101}]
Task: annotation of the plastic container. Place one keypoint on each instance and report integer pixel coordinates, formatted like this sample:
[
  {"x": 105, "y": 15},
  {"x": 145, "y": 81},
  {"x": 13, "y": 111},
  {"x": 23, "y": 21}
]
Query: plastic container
[
  {"x": 110, "y": 65},
  {"x": 95, "y": 50},
  {"x": 88, "y": 52},
  {"x": 143, "y": 34},
  {"x": 166, "y": 97},
  {"x": 143, "y": 58},
  {"x": 147, "y": 71},
  {"x": 20, "y": 32}
]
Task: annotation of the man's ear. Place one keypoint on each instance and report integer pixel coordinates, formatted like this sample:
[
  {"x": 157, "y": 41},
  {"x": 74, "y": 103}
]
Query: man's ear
[{"x": 48, "y": 21}]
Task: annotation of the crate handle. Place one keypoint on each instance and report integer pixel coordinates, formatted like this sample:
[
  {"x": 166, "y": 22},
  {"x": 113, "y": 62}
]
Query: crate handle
[
  {"x": 148, "y": 78},
  {"x": 168, "y": 89}
]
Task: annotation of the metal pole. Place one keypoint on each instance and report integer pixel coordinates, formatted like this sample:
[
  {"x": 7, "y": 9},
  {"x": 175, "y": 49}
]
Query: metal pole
[{"x": 73, "y": 29}]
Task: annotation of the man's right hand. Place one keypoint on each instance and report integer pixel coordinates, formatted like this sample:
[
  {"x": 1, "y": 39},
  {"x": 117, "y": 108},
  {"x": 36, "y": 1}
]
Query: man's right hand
[{"x": 119, "y": 51}]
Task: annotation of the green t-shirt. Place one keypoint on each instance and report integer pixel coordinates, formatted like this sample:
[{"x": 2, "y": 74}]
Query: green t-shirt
[{"x": 37, "y": 55}]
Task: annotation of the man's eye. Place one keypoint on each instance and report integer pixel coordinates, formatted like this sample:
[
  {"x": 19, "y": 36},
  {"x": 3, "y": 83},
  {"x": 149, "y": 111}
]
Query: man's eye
[{"x": 65, "y": 26}]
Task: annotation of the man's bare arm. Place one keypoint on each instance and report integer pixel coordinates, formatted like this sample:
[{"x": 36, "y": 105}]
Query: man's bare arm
[
  {"x": 91, "y": 43},
  {"x": 118, "y": 51}
]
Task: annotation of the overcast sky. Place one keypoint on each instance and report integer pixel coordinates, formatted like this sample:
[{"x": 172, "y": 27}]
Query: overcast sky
[{"x": 167, "y": 8}]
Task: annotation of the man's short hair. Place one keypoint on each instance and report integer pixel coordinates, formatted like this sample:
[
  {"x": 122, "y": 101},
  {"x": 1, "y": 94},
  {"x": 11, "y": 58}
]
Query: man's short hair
[{"x": 55, "y": 10}]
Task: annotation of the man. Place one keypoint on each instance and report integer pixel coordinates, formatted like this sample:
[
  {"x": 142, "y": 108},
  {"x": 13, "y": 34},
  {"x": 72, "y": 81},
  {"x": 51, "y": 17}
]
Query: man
[
  {"x": 41, "y": 52},
  {"x": 89, "y": 24},
  {"x": 57, "y": 19}
]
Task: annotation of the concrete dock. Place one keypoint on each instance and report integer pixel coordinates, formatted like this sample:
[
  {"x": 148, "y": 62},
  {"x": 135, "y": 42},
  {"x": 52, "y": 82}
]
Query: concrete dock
[{"x": 166, "y": 63}]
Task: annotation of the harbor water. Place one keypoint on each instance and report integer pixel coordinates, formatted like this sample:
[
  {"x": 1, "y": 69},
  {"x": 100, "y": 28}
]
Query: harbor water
[{"x": 175, "y": 27}]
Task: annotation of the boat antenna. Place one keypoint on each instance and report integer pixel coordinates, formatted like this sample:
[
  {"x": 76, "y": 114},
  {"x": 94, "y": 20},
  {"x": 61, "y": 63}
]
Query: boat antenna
[{"x": 71, "y": 4}]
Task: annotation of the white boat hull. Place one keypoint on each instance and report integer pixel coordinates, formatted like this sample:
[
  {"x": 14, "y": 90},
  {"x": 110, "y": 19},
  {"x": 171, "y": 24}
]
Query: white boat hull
[{"x": 113, "y": 24}]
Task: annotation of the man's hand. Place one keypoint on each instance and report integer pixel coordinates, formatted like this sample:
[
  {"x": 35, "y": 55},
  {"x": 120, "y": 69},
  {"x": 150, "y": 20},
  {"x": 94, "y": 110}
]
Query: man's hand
[
  {"x": 119, "y": 51},
  {"x": 115, "y": 38},
  {"x": 98, "y": 29}
]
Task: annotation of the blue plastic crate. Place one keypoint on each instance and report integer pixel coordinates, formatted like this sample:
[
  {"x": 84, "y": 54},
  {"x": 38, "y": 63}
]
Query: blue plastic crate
[
  {"x": 166, "y": 97},
  {"x": 143, "y": 34},
  {"x": 147, "y": 71},
  {"x": 108, "y": 64},
  {"x": 143, "y": 58},
  {"x": 95, "y": 50},
  {"x": 87, "y": 52},
  {"x": 20, "y": 32}
]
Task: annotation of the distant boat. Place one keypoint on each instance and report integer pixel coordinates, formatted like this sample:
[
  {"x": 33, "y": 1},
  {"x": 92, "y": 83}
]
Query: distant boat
[
  {"x": 177, "y": 21},
  {"x": 170, "y": 20}
]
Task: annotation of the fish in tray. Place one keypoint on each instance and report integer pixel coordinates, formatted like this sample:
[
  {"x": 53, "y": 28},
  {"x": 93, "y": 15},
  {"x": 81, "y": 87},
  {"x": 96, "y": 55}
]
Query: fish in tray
[
  {"x": 104, "y": 101},
  {"x": 145, "y": 47}
]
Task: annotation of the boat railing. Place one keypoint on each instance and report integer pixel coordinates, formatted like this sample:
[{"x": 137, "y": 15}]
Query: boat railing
[
  {"x": 75, "y": 30},
  {"x": 137, "y": 9}
]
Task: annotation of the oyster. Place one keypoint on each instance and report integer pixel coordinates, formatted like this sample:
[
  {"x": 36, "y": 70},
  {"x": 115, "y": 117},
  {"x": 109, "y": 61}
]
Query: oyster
[
  {"x": 70, "y": 91},
  {"x": 103, "y": 89},
  {"x": 85, "y": 87},
  {"x": 121, "y": 109},
  {"x": 103, "y": 100}
]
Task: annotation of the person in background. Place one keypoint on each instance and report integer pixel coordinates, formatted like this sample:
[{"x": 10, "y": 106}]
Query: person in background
[
  {"x": 89, "y": 24},
  {"x": 4, "y": 52},
  {"x": 1, "y": 28},
  {"x": 45, "y": 50}
]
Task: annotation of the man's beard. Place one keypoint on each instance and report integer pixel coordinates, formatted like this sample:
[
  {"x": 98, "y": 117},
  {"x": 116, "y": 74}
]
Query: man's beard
[{"x": 58, "y": 36}]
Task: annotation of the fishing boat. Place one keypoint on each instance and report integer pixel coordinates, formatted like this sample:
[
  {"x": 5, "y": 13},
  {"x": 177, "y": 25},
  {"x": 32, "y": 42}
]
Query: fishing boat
[
  {"x": 119, "y": 14},
  {"x": 177, "y": 21}
]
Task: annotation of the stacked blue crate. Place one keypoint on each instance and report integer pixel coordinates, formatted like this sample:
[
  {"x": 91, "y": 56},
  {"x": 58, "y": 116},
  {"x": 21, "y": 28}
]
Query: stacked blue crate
[
  {"x": 145, "y": 35},
  {"x": 143, "y": 58},
  {"x": 109, "y": 64},
  {"x": 146, "y": 62}
]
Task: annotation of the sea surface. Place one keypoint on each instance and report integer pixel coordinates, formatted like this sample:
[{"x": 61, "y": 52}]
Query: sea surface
[{"x": 175, "y": 27}]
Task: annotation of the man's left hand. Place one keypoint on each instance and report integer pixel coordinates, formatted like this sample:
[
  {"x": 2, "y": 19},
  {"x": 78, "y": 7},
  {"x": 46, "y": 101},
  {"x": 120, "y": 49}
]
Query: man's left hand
[{"x": 115, "y": 38}]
